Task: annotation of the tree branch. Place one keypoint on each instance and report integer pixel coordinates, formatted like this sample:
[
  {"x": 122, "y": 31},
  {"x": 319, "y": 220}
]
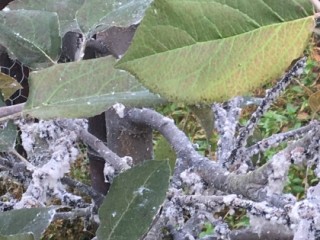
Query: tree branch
[
  {"x": 316, "y": 4},
  {"x": 81, "y": 187},
  {"x": 237, "y": 154},
  {"x": 12, "y": 110},
  {"x": 119, "y": 164},
  {"x": 276, "y": 139}
]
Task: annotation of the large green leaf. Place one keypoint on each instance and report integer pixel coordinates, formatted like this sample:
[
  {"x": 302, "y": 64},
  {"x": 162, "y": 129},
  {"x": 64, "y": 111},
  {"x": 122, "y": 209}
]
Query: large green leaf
[
  {"x": 101, "y": 14},
  {"x": 20, "y": 236},
  {"x": 66, "y": 10},
  {"x": 208, "y": 50},
  {"x": 133, "y": 200},
  {"x": 83, "y": 89},
  {"x": 89, "y": 16},
  {"x": 34, "y": 221},
  {"x": 31, "y": 36}
]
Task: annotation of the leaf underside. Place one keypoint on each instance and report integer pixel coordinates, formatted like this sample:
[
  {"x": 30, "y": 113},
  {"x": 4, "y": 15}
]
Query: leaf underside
[
  {"x": 133, "y": 200},
  {"x": 31, "y": 36},
  {"x": 210, "y": 50},
  {"x": 83, "y": 89},
  {"x": 99, "y": 15},
  {"x": 66, "y": 10},
  {"x": 89, "y": 17}
]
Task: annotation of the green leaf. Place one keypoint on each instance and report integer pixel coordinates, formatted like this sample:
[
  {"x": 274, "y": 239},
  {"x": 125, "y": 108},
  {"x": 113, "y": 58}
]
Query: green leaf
[
  {"x": 8, "y": 136},
  {"x": 164, "y": 151},
  {"x": 210, "y": 50},
  {"x": 298, "y": 189},
  {"x": 89, "y": 16},
  {"x": 34, "y": 220},
  {"x": 22, "y": 236},
  {"x": 8, "y": 85},
  {"x": 133, "y": 200},
  {"x": 31, "y": 36},
  {"x": 98, "y": 15},
  {"x": 66, "y": 10},
  {"x": 8, "y": 133},
  {"x": 205, "y": 116},
  {"x": 83, "y": 89}
]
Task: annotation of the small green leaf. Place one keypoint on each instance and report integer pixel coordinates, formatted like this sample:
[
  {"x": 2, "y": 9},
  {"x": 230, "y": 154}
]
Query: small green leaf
[
  {"x": 195, "y": 51},
  {"x": 8, "y": 85},
  {"x": 208, "y": 230},
  {"x": 8, "y": 136},
  {"x": 8, "y": 133},
  {"x": 97, "y": 15},
  {"x": 83, "y": 89},
  {"x": 133, "y": 201},
  {"x": 164, "y": 151},
  {"x": 31, "y": 36},
  {"x": 297, "y": 189},
  {"x": 66, "y": 10},
  {"x": 34, "y": 220},
  {"x": 205, "y": 116},
  {"x": 297, "y": 181}
]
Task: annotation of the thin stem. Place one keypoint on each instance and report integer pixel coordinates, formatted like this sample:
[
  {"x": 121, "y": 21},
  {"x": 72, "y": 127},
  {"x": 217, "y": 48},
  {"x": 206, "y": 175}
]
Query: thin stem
[
  {"x": 270, "y": 97},
  {"x": 22, "y": 159},
  {"x": 9, "y": 111},
  {"x": 276, "y": 139},
  {"x": 96, "y": 196}
]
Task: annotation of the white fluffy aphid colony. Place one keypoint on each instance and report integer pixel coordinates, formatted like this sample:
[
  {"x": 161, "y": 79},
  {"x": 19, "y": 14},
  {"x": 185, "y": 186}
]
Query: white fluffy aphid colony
[{"x": 50, "y": 149}]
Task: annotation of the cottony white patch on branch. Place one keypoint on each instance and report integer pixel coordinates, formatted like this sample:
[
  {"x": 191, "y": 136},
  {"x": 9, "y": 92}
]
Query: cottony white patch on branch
[
  {"x": 126, "y": 163},
  {"x": 193, "y": 181},
  {"x": 119, "y": 108},
  {"x": 260, "y": 224},
  {"x": 61, "y": 151},
  {"x": 277, "y": 177},
  {"x": 305, "y": 215},
  {"x": 6, "y": 9},
  {"x": 298, "y": 156},
  {"x": 109, "y": 171},
  {"x": 229, "y": 198}
]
